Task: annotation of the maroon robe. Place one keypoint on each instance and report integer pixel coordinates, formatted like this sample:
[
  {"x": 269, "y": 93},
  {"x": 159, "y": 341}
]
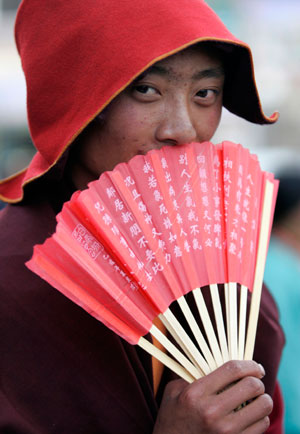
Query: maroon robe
[{"x": 61, "y": 370}]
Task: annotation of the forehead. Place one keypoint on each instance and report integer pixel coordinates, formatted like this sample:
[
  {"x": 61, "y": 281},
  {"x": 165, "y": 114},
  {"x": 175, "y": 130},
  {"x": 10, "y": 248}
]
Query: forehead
[{"x": 197, "y": 62}]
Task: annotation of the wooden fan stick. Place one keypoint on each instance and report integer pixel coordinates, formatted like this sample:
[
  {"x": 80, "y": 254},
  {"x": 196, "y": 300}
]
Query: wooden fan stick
[
  {"x": 226, "y": 295},
  {"x": 242, "y": 321},
  {"x": 190, "y": 350},
  {"x": 167, "y": 344},
  {"x": 197, "y": 333},
  {"x": 185, "y": 342},
  {"x": 76, "y": 290},
  {"x": 181, "y": 300},
  {"x": 209, "y": 330},
  {"x": 232, "y": 332},
  {"x": 259, "y": 269},
  {"x": 214, "y": 290},
  {"x": 211, "y": 360},
  {"x": 236, "y": 333},
  {"x": 165, "y": 359},
  {"x": 206, "y": 363},
  {"x": 209, "y": 357},
  {"x": 220, "y": 355}
]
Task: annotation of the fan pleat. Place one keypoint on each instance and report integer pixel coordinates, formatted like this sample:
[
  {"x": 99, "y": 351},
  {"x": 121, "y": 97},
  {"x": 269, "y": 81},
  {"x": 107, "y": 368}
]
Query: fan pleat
[{"x": 157, "y": 228}]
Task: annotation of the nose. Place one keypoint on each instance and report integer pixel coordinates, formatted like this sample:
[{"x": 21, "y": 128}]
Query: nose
[{"x": 176, "y": 126}]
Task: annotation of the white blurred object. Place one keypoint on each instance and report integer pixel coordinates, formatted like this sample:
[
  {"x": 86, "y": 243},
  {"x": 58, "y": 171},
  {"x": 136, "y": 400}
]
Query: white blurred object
[
  {"x": 12, "y": 81},
  {"x": 279, "y": 160}
]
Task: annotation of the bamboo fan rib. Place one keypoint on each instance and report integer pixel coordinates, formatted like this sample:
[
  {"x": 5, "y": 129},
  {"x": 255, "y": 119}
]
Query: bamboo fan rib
[{"x": 154, "y": 229}]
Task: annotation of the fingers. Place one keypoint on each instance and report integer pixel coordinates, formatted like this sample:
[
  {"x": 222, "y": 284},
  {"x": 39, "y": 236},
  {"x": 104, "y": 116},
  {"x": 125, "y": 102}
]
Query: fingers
[
  {"x": 259, "y": 427},
  {"x": 231, "y": 385},
  {"x": 251, "y": 419},
  {"x": 243, "y": 391},
  {"x": 174, "y": 388},
  {"x": 208, "y": 404},
  {"x": 257, "y": 411},
  {"x": 230, "y": 373}
]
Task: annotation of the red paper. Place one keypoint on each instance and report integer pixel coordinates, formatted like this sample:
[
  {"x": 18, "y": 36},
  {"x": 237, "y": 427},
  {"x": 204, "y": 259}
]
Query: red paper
[{"x": 154, "y": 229}]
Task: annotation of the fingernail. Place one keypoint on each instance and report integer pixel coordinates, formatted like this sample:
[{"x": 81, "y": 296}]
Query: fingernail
[{"x": 263, "y": 372}]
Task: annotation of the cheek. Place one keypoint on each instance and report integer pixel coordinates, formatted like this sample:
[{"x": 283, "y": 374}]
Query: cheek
[
  {"x": 132, "y": 116},
  {"x": 215, "y": 118},
  {"x": 135, "y": 132},
  {"x": 210, "y": 123},
  {"x": 136, "y": 123},
  {"x": 122, "y": 139}
]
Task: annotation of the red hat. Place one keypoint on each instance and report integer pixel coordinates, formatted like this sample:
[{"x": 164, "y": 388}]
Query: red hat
[{"x": 78, "y": 55}]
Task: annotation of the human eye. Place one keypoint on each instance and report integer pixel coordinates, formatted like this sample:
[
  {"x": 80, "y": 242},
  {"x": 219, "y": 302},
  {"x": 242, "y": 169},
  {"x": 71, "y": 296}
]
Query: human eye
[
  {"x": 145, "y": 89},
  {"x": 207, "y": 96},
  {"x": 144, "y": 92}
]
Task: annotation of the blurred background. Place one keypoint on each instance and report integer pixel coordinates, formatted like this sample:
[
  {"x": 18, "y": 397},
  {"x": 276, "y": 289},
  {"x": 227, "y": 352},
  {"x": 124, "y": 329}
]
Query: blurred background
[
  {"x": 271, "y": 28},
  {"x": 15, "y": 145}
]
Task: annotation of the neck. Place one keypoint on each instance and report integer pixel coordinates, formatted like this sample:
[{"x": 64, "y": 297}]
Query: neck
[{"x": 81, "y": 177}]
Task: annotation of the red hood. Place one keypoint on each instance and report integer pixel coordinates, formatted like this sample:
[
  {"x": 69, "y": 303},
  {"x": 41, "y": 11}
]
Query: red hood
[{"x": 78, "y": 55}]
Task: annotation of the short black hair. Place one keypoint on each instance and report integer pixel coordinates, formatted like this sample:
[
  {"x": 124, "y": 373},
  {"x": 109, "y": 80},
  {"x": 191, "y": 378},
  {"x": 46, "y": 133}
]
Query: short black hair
[{"x": 288, "y": 196}]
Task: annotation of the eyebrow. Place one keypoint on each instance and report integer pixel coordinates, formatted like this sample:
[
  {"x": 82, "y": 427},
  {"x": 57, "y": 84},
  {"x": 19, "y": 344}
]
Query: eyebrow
[
  {"x": 209, "y": 73},
  {"x": 216, "y": 72}
]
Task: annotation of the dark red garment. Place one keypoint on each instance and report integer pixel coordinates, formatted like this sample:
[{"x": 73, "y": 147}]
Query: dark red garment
[
  {"x": 276, "y": 417},
  {"x": 78, "y": 55},
  {"x": 61, "y": 370}
]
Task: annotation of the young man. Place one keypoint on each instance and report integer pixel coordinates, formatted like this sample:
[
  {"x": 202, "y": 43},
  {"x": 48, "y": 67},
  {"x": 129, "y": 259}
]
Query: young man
[{"x": 108, "y": 80}]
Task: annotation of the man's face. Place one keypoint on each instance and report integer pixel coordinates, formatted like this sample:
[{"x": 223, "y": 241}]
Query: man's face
[{"x": 176, "y": 101}]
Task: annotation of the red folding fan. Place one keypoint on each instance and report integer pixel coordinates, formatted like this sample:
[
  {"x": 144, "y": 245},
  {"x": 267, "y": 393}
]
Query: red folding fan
[{"x": 158, "y": 227}]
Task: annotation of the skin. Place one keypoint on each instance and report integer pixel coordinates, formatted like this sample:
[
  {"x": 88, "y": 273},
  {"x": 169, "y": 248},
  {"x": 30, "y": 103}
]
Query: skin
[
  {"x": 177, "y": 101},
  {"x": 201, "y": 408}
]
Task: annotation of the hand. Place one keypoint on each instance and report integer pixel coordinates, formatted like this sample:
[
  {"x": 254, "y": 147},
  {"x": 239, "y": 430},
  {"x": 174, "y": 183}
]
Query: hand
[{"x": 209, "y": 405}]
